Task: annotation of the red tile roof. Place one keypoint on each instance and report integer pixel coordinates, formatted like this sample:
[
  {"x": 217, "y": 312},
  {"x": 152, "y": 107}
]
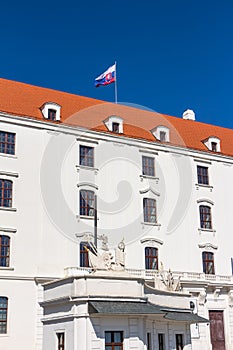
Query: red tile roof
[{"x": 25, "y": 100}]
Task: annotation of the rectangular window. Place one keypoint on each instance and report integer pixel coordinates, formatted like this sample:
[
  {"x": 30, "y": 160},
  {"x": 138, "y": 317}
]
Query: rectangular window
[
  {"x": 162, "y": 136},
  {"x": 179, "y": 342},
  {"x": 202, "y": 175},
  {"x": 4, "y": 251},
  {"x": 5, "y": 193},
  {"x": 86, "y": 157},
  {"x": 149, "y": 210},
  {"x": 87, "y": 203},
  {"x": 205, "y": 217},
  {"x": 116, "y": 127},
  {"x": 208, "y": 263},
  {"x": 7, "y": 142},
  {"x": 151, "y": 258},
  {"x": 148, "y": 166},
  {"x": 114, "y": 340},
  {"x": 3, "y": 315},
  {"x": 61, "y": 341},
  {"x": 214, "y": 146},
  {"x": 52, "y": 114},
  {"x": 161, "y": 340}
]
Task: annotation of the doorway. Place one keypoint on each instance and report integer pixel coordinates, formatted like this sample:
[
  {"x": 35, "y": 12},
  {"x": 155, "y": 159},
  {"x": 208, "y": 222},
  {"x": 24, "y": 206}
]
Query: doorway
[{"x": 217, "y": 330}]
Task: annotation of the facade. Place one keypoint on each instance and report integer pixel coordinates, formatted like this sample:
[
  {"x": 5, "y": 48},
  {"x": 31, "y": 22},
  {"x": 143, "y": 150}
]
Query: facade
[{"x": 72, "y": 167}]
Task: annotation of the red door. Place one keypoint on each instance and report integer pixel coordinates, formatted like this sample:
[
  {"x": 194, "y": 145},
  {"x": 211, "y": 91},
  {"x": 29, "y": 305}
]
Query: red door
[{"x": 217, "y": 330}]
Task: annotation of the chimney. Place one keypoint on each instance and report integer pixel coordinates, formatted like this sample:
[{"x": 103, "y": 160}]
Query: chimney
[{"x": 189, "y": 115}]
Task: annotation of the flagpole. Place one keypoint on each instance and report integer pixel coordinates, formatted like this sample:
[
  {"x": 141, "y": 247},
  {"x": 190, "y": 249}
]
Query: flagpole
[{"x": 115, "y": 82}]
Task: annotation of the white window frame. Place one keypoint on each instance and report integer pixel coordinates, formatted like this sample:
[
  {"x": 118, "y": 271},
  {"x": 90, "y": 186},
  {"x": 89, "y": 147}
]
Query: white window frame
[
  {"x": 161, "y": 128},
  {"x": 114, "y": 119},
  {"x": 208, "y": 143},
  {"x": 51, "y": 105}
]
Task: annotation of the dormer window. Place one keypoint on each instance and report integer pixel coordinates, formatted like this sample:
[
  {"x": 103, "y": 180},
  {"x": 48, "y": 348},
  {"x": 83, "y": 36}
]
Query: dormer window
[
  {"x": 51, "y": 111},
  {"x": 213, "y": 144},
  {"x": 114, "y": 124},
  {"x": 161, "y": 133}
]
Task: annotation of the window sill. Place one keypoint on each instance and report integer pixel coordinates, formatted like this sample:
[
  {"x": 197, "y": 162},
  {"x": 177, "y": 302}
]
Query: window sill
[
  {"x": 8, "y": 209},
  {"x": 6, "y": 268},
  {"x": 7, "y": 173},
  {"x": 8, "y": 230},
  {"x": 204, "y": 186},
  {"x": 206, "y": 230},
  {"x": 85, "y": 217},
  {"x": 151, "y": 223},
  {"x": 78, "y": 167},
  {"x": 149, "y": 178},
  {"x": 8, "y": 155}
]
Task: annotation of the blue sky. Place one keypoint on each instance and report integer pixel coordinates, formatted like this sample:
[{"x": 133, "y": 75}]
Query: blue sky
[{"x": 171, "y": 55}]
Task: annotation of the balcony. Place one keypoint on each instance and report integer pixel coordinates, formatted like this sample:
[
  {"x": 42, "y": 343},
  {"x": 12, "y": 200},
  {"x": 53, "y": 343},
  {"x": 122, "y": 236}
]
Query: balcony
[{"x": 185, "y": 277}]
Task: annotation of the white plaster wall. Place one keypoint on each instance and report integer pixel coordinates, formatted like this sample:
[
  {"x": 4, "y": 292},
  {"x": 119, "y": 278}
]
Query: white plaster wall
[
  {"x": 22, "y": 314},
  {"x": 59, "y": 289},
  {"x": 50, "y": 337},
  {"x": 89, "y": 333},
  {"x": 93, "y": 286},
  {"x": 170, "y": 300},
  {"x": 213, "y": 302},
  {"x": 38, "y": 249},
  {"x": 133, "y": 331},
  {"x": 116, "y": 164},
  {"x": 41, "y": 248},
  {"x": 105, "y": 287}
]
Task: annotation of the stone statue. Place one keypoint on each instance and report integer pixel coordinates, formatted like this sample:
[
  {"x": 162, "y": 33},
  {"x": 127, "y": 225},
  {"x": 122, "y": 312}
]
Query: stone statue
[
  {"x": 230, "y": 297},
  {"x": 202, "y": 297},
  {"x": 103, "y": 261},
  {"x": 99, "y": 261},
  {"x": 104, "y": 240},
  {"x": 165, "y": 280},
  {"x": 120, "y": 255}
]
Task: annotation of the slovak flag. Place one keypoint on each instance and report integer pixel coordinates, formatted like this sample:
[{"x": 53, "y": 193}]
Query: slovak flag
[{"x": 106, "y": 78}]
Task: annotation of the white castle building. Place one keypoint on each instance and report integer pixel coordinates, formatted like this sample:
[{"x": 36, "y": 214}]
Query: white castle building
[{"x": 151, "y": 192}]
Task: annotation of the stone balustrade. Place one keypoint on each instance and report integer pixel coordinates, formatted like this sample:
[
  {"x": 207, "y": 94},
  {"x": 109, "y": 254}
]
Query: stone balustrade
[{"x": 149, "y": 274}]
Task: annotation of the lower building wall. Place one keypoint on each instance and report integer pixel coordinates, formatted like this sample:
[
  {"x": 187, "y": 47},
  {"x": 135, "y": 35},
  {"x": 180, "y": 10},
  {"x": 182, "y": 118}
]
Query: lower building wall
[
  {"x": 86, "y": 333},
  {"x": 24, "y": 328},
  {"x": 168, "y": 330},
  {"x": 50, "y": 335},
  {"x": 135, "y": 331},
  {"x": 21, "y": 315},
  {"x": 201, "y": 334}
]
